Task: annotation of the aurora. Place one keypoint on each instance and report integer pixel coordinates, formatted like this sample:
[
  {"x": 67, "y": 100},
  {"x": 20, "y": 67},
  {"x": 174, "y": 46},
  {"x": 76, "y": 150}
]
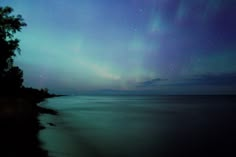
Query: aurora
[{"x": 91, "y": 45}]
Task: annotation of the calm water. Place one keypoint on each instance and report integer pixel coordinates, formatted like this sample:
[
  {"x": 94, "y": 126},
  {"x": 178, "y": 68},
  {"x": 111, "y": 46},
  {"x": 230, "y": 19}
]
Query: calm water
[{"x": 140, "y": 126}]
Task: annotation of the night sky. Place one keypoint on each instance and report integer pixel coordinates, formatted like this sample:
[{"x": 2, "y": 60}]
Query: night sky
[{"x": 146, "y": 46}]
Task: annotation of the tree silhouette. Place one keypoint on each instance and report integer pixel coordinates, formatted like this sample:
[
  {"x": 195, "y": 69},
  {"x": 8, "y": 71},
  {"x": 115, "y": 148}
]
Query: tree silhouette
[
  {"x": 11, "y": 77},
  {"x": 14, "y": 80}
]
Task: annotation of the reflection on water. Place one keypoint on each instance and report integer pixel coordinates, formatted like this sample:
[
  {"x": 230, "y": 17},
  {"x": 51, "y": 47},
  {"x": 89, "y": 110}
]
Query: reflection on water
[{"x": 140, "y": 126}]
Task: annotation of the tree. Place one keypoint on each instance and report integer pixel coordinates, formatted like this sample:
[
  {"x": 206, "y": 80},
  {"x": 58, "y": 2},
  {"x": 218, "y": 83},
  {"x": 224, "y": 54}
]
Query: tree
[
  {"x": 11, "y": 77},
  {"x": 13, "y": 80}
]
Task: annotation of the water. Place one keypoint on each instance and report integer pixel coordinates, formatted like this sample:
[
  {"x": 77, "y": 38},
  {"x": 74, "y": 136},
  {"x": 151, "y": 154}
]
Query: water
[{"x": 140, "y": 126}]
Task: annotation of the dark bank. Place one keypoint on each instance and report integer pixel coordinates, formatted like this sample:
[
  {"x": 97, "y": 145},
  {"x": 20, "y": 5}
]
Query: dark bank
[{"x": 19, "y": 124}]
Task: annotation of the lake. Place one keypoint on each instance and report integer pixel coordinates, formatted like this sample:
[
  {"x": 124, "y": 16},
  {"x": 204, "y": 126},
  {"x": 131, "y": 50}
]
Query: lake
[{"x": 139, "y": 126}]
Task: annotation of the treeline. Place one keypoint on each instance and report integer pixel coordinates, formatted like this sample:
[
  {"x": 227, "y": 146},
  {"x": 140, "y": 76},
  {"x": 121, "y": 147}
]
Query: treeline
[
  {"x": 11, "y": 76},
  {"x": 35, "y": 94}
]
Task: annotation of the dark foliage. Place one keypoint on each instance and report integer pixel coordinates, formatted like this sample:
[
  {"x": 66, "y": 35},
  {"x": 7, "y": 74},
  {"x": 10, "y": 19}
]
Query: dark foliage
[
  {"x": 11, "y": 77},
  {"x": 35, "y": 94},
  {"x": 18, "y": 109}
]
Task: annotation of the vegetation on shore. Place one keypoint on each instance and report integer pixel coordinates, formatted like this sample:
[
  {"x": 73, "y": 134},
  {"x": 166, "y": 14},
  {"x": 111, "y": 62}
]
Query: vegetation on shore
[
  {"x": 18, "y": 104},
  {"x": 11, "y": 76}
]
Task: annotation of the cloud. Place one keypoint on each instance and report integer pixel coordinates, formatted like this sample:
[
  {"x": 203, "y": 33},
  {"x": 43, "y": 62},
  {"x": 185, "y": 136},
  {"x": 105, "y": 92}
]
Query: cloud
[
  {"x": 222, "y": 83},
  {"x": 151, "y": 83},
  {"x": 223, "y": 79},
  {"x": 216, "y": 80}
]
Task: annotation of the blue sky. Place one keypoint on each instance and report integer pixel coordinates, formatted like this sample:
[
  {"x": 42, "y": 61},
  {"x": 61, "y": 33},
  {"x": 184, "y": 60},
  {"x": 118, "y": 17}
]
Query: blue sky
[{"x": 157, "y": 46}]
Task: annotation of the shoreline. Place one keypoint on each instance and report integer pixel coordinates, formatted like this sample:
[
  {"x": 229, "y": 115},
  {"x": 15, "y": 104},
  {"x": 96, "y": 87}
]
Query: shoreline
[{"x": 20, "y": 126}]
